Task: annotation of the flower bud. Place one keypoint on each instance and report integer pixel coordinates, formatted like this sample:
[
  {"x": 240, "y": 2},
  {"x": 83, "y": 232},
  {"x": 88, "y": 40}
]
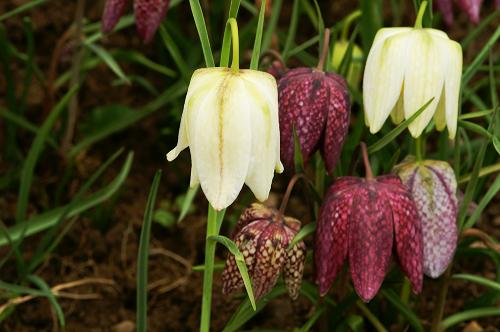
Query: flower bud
[
  {"x": 230, "y": 123},
  {"x": 263, "y": 236},
  {"x": 315, "y": 104},
  {"x": 434, "y": 186},
  {"x": 355, "y": 69}
]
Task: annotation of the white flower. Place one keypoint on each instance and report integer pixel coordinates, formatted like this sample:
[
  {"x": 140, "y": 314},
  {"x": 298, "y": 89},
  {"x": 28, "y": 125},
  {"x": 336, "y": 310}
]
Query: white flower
[
  {"x": 406, "y": 67},
  {"x": 230, "y": 123}
]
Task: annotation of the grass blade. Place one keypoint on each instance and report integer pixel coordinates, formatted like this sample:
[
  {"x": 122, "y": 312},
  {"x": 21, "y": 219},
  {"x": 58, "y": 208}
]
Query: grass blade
[
  {"x": 469, "y": 314},
  {"x": 108, "y": 59},
  {"x": 392, "y": 297},
  {"x": 254, "y": 62},
  {"x": 187, "y": 202},
  {"x": 142, "y": 257},
  {"x": 302, "y": 234},
  {"x": 490, "y": 194},
  {"x": 199, "y": 21},
  {"x": 478, "y": 280},
  {"x": 47, "y": 292},
  {"x": 20, "y": 9}
]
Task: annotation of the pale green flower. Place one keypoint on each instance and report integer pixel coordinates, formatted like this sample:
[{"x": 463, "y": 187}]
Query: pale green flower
[
  {"x": 406, "y": 67},
  {"x": 230, "y": 123}
]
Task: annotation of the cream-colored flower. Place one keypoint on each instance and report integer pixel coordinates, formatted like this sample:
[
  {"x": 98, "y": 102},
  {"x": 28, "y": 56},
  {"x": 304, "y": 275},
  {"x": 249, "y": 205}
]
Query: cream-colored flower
[
  {"x": 406, "y": 67},
  {"x": 230, "y": 123}
]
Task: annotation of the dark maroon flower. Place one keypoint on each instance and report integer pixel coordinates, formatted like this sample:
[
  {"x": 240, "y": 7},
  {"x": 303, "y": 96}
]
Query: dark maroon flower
[
  {"x": 361, "y": 219},
  {"x": 316, "y": 104},
  {"x": 471, "y": 7},
  {"x": 148, "y": 15},
  {"x": 263, "y": 236}
]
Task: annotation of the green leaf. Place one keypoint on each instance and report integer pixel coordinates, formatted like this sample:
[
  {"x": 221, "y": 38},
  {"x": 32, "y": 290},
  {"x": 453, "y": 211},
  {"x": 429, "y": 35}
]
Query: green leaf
[
  {"x": 403, "y": 308},
  {"x": 143, "y": 255},
  {"x": 20, "y": 9},
  {"x": 254, "y": 62},
  {"x": 226, "y": 40},
  {"x": 474, "y": 115},
  {"x": 302, "y": 234},
  {"x": 245, "y": 311},
  {"x": 175, "y": 53},
  {"x": 468, "y": 315},
  {"x": 240, "y": 262},
  {"x": 199, "y": 21},
  {"x": 271, "y": 26},
  {"x": 496, "y": 144},
  {"x": 298, "y": 159},
  {"x": 292, "y": 29},
  {"x": 47, "y": 292},
  {"x": 108, "y": 60},
  {"x": 139, "y": 58},
  {"x": 187, "y": 202},
  {"x": 310, "y": 322},
  {"x": 475, "y": 128},
  {"x": 490, "y": 194},
  {"x": 397, "y": 131},
  {"x": 48, "y": 219},
  {"x": 34, "y": 153},
  {"x": 478, "y": 280},
  {"x": 474, "y": 33}
]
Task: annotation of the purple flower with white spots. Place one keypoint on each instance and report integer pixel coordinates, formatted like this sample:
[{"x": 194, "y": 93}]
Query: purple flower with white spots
[
  {"x": 434, "y": 187},
  {"x": 471, "y": 7},
  {"x": 316, "y": 104},
  {"x": 263, "y": 236}
]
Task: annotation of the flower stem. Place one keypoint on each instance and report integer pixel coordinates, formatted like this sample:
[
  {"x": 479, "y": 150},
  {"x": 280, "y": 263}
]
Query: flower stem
[
  {"x": 288, "y": 192},
  {"x": 419, "y": 148},
  {"x": 324, "y": 51},
  {"x": 441, "y": 300},
  {"x": 371, "y": 317},
  {"x": 235, "y": 64},
  {"x": 366, "y": 161},
  {"x": 404, "y": 296},
  {"x": 347, "y": 23},
  {"x": 206, "y": 304},
  {"x": 420, "y": 15}
]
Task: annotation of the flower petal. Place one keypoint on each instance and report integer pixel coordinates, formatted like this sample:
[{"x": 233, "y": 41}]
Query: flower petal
[
  {"x": 446, "y": 8},
  {"x": 383, "y": 77},
  {"x": 370, "y": 241},
  {"x": 113, "y": 10},
  {"x": 471, "y": 8},
  {"x": 148, "y": 16},
  {"x": 294, "y": 268},
  {"x": 453, "y": 75}
]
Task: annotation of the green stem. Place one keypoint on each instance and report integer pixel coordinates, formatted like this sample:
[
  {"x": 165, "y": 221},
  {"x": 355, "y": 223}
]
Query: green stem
[
  {"x": 419, "y": 148},
  {"x": 206, "y": 304},
  {"x": 441, "y": 300},
  {"x": 420, "y": 15},
  {"x": 404, "y": 296},
  {"x": 483, "y": 172},
  {"x": 371, "y": 317},
  {"x": 235, "y": 65},
  {"x": 347, "y": 23}
]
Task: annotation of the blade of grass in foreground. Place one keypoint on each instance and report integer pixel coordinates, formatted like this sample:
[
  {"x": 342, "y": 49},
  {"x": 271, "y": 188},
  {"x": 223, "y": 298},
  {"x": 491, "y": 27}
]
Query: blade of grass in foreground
[
  {"x": 142, "y": 257},
  {"x": 47, "y": 292},
  {"x": 254, "y": 62}
]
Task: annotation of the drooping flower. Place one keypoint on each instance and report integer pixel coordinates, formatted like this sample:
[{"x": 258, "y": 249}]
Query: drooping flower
[
  {"x": 471, "y": 7},
  {"x": 406, "y": 67},
  {"x": 316, "y": 104},
  {"x": 361, "y": 219},
  {"x": 148, "y": 15},
  {"x": 230, "y": 123},
  {"x": 263, "y": 236},
  {"x": 434, "y": 187},
  {"x": 355, "y": 69}
]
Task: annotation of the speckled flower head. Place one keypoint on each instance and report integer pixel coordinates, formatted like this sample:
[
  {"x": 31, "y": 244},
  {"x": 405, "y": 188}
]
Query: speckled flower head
[
  {"x": 148, "y": 15},
  {"x": 361, "y": 219},
  {"x": 263, "y": 237},
  {"x": 316, "y": 104},
  {"x": 433, "y": 186},
  {"x": 471, "y": 7}
]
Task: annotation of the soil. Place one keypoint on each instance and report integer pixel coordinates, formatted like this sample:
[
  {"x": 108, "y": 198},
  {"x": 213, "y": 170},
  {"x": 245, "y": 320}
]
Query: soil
[{"x": 103, "y": 243}]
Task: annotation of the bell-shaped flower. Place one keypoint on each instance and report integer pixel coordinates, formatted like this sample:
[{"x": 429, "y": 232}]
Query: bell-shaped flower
[
  {"x": 434, "y": 189},
  {"x": 230, "y": 123},
  {"x": 355, "y": 69},
  {"x": 362, "y": 219},
  {"x": 263, "y": 236},
  {"x": 407, "y": 67},
  {"x": 148, "y": 15},
  {"x": 471, "y": 7},
  {"x": 316, "y": 104}
]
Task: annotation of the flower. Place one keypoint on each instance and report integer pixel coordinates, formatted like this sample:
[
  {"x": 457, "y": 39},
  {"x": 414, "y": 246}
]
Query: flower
[
  {"x": 148, "y": 15},
  {"x": 471, "y": 7},
  {"x": 230, "y": 123},
  {"x": 263, "y": 236},
  {"x": 355, "y": 67},
  {"x": 315, "y": 104},
  {"x": 406, "y": 67},
  {"x": 361, "y": 219},
  {"x": 434, "y": 187}
]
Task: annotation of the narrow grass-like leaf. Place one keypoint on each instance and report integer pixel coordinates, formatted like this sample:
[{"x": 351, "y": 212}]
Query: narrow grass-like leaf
[
  {"x": 292, "y": 29},
  {"x": 20, "y": 290},
  {"x": 468, "y": 315},
  {"x": 48, "y": 219},
  {"x": 199, "y": 21},
  {"x": 303, "y": 233},
  {"x": 478, "y": 60},
  {"x": 474, "y": 115},
  {"x": 478, "y": 280},
  {"x": 139, "y": 58},
  {"x": 475, "y": 128},
  {"x": 310, "y": 322},
  {"x": 226, "y": 40},
  {"x": 347, "y": 59},
  {"x": 492, "y": 81},
  {"x": 320, "y": 25},
  {"x": 273, "y": 22},
  {"x": 473, "y": 34},
  {"x": 175, "y": 53},
  {"x": 125, "y": 22},
  {"x": 482, "y": 172},
  {"x": 254, "y": 62},
  {"x": 187, "y": 202},
  {"x": 403, "y": 308},
  {"x": 34, "y": 153},
  {"x": 47, "y": 292},
  {"x": 298, "y": 159},
  {"x": 142, "y": 257},
  {"x": 397, "y": 131},
  {"x": 28, "y": 73},
  {"x": 108, "y": 59},
  {"x": 20, "y": 9},
  {"x": 490, "y": 194},
  {"x": 245, "y": 311},
  {"x": 240, "y": 262}
]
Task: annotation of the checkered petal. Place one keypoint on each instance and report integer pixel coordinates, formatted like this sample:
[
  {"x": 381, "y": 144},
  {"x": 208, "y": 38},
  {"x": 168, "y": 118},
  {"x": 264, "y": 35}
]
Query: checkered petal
[
  {"x": 148, "y": 16},
  {"x": 113, "y": 10}
]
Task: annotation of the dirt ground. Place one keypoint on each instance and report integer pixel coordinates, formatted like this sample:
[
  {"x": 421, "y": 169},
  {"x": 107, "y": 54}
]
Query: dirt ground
[{"x": 107, "y": 251}]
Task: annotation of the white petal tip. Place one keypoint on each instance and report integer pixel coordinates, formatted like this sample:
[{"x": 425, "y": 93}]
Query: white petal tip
[
  {"x": 172, "y": 154},
  {"x": 279, "y": 168}
]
